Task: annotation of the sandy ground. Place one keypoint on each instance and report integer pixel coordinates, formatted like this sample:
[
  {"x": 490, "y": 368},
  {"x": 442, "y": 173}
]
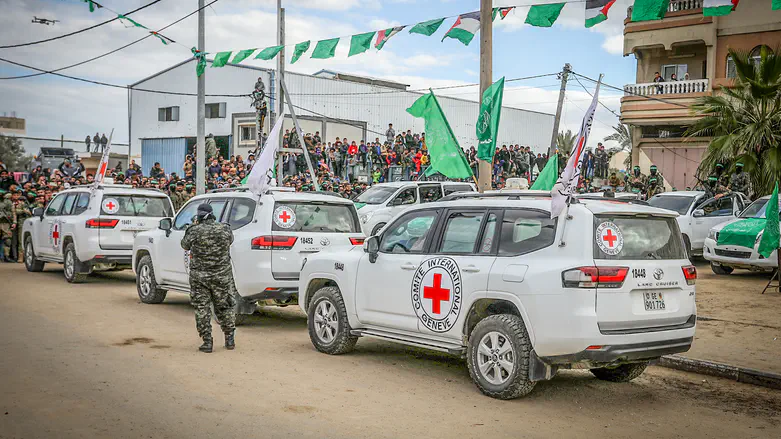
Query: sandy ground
[
  {"x": 90, "y": 360},
  {"x": 745, "y": 329}
]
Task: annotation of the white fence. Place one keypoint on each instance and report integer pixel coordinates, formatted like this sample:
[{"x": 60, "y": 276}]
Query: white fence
[
  {"x": 684, "y": 5},
  {"x": 671, "y": 87}
]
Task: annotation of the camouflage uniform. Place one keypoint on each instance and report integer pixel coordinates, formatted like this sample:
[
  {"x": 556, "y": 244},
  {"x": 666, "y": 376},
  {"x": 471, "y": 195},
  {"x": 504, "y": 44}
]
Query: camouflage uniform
[
  {"x": 211, "y": 275},
  {"x": 211, "y": 147},
  {"x": 637, "y": 182},
  {"x": 22, "y": 211},
  {"x": 6, "y": 219},
  {"x": 738, "y": 182}
]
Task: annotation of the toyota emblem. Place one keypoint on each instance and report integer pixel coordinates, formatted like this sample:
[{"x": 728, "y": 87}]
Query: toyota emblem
[
  {"x": 325, "y": 242},
  {"x": 658, "y": 274}
]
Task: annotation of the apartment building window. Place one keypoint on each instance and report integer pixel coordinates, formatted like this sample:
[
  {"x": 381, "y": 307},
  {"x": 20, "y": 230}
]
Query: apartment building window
[
  {"x": 247, "y": 133},
  {"x": 679, "y": 70},
  {"x": 168, "y": 114},
  {"x": 215, "y": 111},
  {"x": 755, "y": 57}
]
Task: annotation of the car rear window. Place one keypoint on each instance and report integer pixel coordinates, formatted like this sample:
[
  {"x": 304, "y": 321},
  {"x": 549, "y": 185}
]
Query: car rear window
[
  {"x": 320, "y": 217},
  {"x": 628, "y": 237},
  {"x": 677, "y": 203},
  {"x": 135, "y": 205}
]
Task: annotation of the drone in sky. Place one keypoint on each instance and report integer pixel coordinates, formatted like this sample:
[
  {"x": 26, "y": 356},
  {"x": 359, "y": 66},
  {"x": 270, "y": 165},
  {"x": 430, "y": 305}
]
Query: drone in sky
[{"x": 45, "y": 21}]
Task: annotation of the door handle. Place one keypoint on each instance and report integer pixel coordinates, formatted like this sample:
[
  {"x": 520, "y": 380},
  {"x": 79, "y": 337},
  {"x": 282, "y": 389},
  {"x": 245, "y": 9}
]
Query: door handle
[
  {"x": 470, "y": 269},
  {"x": 408, "y": 266}
]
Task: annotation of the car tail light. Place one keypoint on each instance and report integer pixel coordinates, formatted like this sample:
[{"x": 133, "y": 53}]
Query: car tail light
[
  {"x": 690, "y": 273},
  {"x": 274, "y": 242},
  {"x": 99, "y": 223},
  {"x": 594, "y": 277},
  {"x": 356, "y": 241}
]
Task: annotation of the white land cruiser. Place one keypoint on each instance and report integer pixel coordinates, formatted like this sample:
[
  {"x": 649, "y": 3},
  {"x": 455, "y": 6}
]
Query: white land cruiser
[
  {"x": 90, "y": 230},
  {"x": 381, "y": 202},
  {"x": 271, "y": 235},
  {"x": 521, "y": 295}
]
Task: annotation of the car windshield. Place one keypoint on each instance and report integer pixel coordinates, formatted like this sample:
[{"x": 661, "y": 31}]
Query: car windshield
[
  {"x": 376, "y": 194},
  {"x": 677, "y": 203},
  {"x": 757, "y": 209}
]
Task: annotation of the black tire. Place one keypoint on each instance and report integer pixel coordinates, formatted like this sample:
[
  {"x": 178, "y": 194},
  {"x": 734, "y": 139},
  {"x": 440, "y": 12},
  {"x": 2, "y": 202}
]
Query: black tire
[
  {"x": 146, "y": 283},
  {"x": 71, "y": 265},
  {"x": 30, "y": 261},
  {"x": 377, "y": 229},
  {"x": 721, "y": 269},
  {"x": 509, "y": 329},
  {"x": 620, "y": 374},
  {"x": 687, "y": 243},
  {"x": 326, "y": 309}
]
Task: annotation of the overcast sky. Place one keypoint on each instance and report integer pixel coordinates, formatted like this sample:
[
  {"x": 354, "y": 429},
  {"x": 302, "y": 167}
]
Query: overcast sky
[{"x": 55, "y": 106}]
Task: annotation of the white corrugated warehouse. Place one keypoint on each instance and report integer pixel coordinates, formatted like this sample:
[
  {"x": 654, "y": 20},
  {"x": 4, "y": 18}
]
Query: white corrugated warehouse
[{"x": 163, "y": 126}]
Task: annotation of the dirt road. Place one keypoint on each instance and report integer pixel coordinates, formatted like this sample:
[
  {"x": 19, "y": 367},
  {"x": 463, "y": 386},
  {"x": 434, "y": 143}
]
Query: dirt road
[{"x": 92, "y": 361}]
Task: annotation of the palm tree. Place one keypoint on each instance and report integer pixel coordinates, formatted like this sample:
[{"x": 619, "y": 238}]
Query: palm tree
[
  {"x": 565, "y": 142},
  {"x": 623, "y": 136},
  {"x": 745, "y": 121}
]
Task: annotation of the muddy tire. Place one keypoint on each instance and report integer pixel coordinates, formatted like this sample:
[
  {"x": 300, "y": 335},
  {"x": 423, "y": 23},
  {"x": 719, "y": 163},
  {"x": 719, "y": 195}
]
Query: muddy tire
[
  {"x": 620, "y": 374},
  {"x": 146, "y": 283},
  {"x": 30, "y": 261},
  {"x": 71, "y": 265},
  {"x": 721, "y": 270},
  {"x": 498, "y": 357},
  {"x": 329, "y": 329}
]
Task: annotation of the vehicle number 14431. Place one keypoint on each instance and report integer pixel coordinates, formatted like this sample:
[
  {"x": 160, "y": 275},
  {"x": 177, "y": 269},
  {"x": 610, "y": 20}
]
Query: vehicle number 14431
[{"x": 654, "y": 301}]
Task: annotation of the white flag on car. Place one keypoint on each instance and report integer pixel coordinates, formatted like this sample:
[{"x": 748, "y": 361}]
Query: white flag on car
[
  {"x": 261, "y": 177},
  {"x": 568, "y": 180},
  {"x": 100, "y": 174}
]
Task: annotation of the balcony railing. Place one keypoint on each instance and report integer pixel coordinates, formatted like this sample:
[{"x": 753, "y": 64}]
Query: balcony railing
[
  {"x": 684, "y": 5},
  {"x": 670, "y": 87}
]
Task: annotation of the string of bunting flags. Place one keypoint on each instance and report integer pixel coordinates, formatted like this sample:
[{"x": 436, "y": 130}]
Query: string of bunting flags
[{"x": 128, "y": 22}]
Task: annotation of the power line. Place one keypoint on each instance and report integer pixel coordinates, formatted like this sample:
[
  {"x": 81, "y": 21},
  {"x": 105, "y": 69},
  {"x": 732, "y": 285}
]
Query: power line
[
  {"x": 600, "y": 102},
  {"x": 677, "y": 104},
  {"x": 9, "y": 46}
]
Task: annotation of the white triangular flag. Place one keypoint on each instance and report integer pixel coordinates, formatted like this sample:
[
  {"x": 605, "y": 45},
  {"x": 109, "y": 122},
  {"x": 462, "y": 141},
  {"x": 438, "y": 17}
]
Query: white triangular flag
[{"x": 261, "y": 177}]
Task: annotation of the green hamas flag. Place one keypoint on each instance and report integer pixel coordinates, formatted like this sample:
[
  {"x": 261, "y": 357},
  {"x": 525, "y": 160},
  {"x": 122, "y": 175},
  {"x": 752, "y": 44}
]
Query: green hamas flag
[
  {"x": 645, "y": 10},
  {"x": 242, "y": 55},
  {"x": 300, "y": 49},
  {"x": 548, "y": 175},
  {"x": 427, "y": 28},
  {"x": 544, "y": 15},
  {"x": 269, "y": 52},
  {"x": 360, "y": 43},
  {"x": 446, "y": 154},
  {"x": 325, "y": 48},
  {"x": 488, "y": 120},
  {"x": 771, "y": 235},
  {"x": 221, "y": 58}
]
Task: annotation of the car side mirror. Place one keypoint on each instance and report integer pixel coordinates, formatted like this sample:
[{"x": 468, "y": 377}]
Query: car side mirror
[
  {"x": 372, "y": 247},
  {"x": 698, "y": 213},
  {"x": 166, "y": 224},
  {"x": 38, "y": 211}
]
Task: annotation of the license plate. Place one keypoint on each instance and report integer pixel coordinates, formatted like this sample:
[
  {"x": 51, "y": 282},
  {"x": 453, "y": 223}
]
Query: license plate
[{"x": 654, "y": 301}]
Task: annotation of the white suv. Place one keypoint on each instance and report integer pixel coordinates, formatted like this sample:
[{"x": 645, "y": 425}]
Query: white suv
[
  {"x": 381, "y": 202},
  {"x": 90, "y": 230},
  {"x": 272, "y": 234},
  {"x": 520, "y": 294}
]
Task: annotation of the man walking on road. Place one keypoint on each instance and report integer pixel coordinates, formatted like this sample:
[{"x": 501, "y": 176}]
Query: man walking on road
[{"x": 211, "y": 276}]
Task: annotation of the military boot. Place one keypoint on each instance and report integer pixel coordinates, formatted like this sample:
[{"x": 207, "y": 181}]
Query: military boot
[
  {"x": 207, "y": 345},
  {"x": 230, "y": 343}
]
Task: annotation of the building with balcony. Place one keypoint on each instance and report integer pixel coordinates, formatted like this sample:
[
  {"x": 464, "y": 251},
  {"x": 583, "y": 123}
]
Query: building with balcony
[
  {"x": 689, "y": 51},
  {"x": 12, "y": 125}
]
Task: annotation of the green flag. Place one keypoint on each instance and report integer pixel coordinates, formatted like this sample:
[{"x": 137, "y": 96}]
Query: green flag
[
  {"x": 446, "y": 154},
  {"x": 269, "y": 52},
  {"x": 221, "y": 58},
  {"x": 544, "y": 15},
  {"x": 776, "y": 5},
  {"x": 132, "y": 22},
  {"x": 242, "y": 55},
  {"x": 644, "y": 10},
  {"x": 488, "y": 120},
  {"x": 771, "y": 236},
  {"x": 92, "y": 5},
  {"x": 548, "y": 176},
  {"x": 325, "y": 48},
  {"x": 300, "y": 49},
  {"x": 200, "y": 58},
  {"x": 163, "y": 39},
  {"x": 360, "y": 43},
  {"x": 742, "y": 232},
  {"x": 427, "y": 28}
]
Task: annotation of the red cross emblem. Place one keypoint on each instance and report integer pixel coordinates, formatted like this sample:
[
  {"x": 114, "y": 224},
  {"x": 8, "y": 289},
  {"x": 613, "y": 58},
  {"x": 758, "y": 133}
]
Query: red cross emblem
[
  {"x": 437, "y": 294},
  {"x": 103, "y": 168},
  {"x": 610, "y": 238},
  {"x": 56, "y": 234},
  {"x": 110, "y": 205},
  {"x": 284, "y": 216}
]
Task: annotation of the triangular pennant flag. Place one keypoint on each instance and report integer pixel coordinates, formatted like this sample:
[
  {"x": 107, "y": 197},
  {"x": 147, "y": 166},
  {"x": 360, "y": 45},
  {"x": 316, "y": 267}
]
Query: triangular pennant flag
[
  {"x": 360, "y": 43},
  {"x": 269, "y": 52},
  {"x": 325, "y": 48},
  {"x": 221, "y": 58},
  {"x": 771, "y": 234},
  {"x": 427, "y": 28},
  {"x": 261, "y": 177},
  {"x": 242, "y": 55},
  {"x": 465, "y": 28},
  {"x": 502, "y": 12},
  {"x": 92, "y": 5},
  {"x": 300, "y": 49},
  {"x": 164, "y": 39},
  {"x": 544, "y": 15},
  {"x": 129, "y": 22},
  {"x": 644, "y": 10},
  {"x": 718, "y": 8},
  {"x": 548, "y": 176},
  {"x": 596, "y": 11},
  {"x": 200, "y": 57},
  {"x": 384, "y": 35}
]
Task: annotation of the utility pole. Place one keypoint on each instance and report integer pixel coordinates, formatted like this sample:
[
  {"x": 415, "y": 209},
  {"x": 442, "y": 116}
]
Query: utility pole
[
  {"x": 486, "y": 79},
  {"x": 281, "y": 64},
  {"x": 200, "y": 146},
  {"x": 564, "y": 75}
]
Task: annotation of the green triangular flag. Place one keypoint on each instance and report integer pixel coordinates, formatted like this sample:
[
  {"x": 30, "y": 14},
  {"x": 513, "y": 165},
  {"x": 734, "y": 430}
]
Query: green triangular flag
[
  {"x": 544, "y": 15},
  {"x": 776, "y": 5},
  {"x": 644, "y": 10},
  {"x": 221, "y": 58},
  {"x": 132, "y": 22},
  {"x": 92, "y": 5},
  {"x": 325, "y": 48},
  {"x": 242, "y": 55},
  {"x": 488, "y": 120},
  {"x": 771, "y": 236},
  {"x": 360, "y": 43},
  {"x": 446, "y": 154},
  {"x": 548, "y": 176},
  {"x": 300, "y": 49},
  {"x": 427, "y": 28},
  {"x": 269, "y": 52}
]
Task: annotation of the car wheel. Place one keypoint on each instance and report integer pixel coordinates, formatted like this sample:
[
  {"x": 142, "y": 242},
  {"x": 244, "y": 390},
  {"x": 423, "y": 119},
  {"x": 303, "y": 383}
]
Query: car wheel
[
  {"x": 71, "y": 265},
  {"x": 377, "y": 228},
  {"x": 498, "y": 357},
  {"x": 620, "y": 374},
  {"x": 146, "y": 283},
  {"x": 721, "y": 269},
  {"x": 688, "y": 244},
  {"x": 30, "y": 261},
  {"x": 329, "y": 329}
]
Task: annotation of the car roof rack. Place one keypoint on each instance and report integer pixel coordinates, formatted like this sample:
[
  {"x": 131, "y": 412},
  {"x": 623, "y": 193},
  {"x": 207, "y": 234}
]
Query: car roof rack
[
  {"x": 507, "y": 194},
  {"x": 614, "y": 200},
  {"x": 228, "y": 189}
]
